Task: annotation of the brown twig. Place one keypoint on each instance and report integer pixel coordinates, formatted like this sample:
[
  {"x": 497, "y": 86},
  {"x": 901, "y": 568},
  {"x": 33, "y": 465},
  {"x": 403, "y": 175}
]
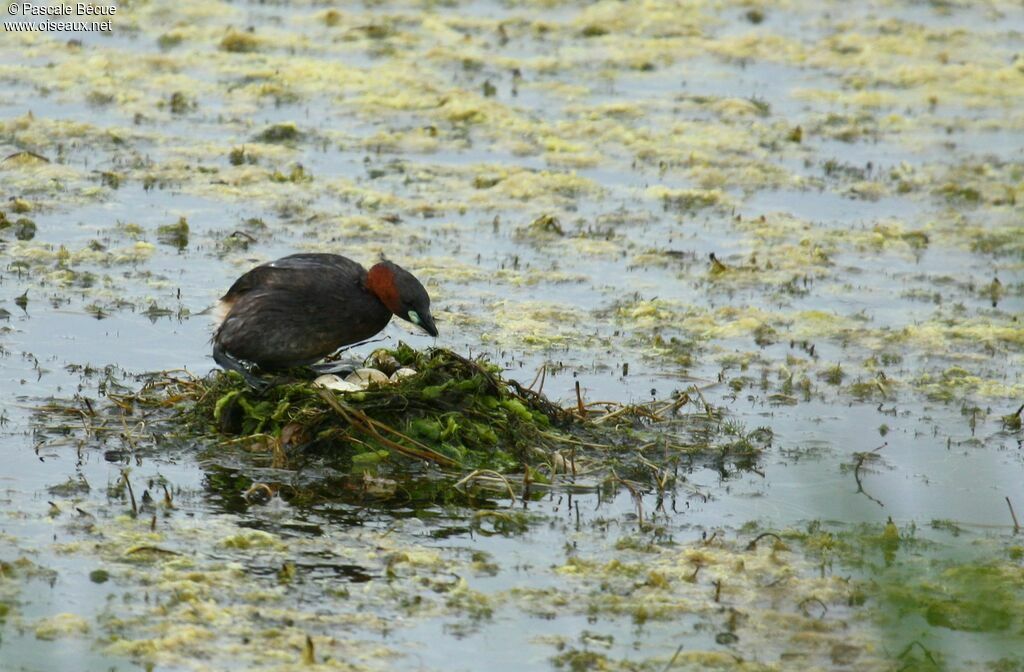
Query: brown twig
[
  {"x": 536, "y": 377},
  {"x": 368, "y": 425},
  {"x": 475, "y": 366},
  {"x": 638, "y": 499},
  {"x": 753, "y": 544},
  {"x": 537, "y": 399},
  {"x": 674, "y": 405},
  {"x": 639, "y": 410},
  {"x": 18, "y": 155},
  {"x": 612, "y": 414},
  {"x": 803, "y": 606},
  {"x": 707, "y": 406},
  {"x": 1016, "y": 525},
  {"x": 861, "y": 459},
  {"x": 575, "y": 442},
  {"x": 308, "y": 652},
  {"x": 927, "y": 654},
  {"x": 131, "y": 493},
  {"x": 672, "y": 661},
  {"x": 493, "y": 474},
  {"x": 150, "y": 549}
]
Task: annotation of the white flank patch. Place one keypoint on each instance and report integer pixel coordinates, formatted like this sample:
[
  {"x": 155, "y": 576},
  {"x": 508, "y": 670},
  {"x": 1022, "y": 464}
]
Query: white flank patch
[{"x": 220, "y": 311}]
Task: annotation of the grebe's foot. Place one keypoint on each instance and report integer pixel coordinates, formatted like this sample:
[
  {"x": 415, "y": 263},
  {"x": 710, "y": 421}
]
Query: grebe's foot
[
  {"x": 230, "y": 363},
  {"x": 340, "y": 367}
]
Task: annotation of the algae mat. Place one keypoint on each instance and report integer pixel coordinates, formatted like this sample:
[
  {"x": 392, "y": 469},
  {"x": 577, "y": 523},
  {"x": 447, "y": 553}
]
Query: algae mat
[{"x": 560, "y": 174}]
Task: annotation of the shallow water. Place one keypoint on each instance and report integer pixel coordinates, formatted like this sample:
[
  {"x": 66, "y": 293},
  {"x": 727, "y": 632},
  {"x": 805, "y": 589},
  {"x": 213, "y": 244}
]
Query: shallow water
[{"x": 664, "y": 139}]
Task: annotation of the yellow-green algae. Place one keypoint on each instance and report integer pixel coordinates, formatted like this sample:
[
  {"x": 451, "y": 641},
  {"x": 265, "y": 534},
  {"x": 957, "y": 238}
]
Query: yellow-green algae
[
  {"x": 907, "y": 581},
  {"x": 205, "y": 606},
  {"x": 61, "y": 625},
  {"x": 16, "y": 569},
  {"x": 763, "y": 595},
  {"x": 893, "y": 38}
]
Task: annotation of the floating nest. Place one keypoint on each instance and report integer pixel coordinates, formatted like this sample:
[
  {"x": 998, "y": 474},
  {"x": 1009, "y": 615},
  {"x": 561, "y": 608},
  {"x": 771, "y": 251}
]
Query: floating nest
[
  {"x": 458, "y": 415},
  {"x": 454, "y": 412}
]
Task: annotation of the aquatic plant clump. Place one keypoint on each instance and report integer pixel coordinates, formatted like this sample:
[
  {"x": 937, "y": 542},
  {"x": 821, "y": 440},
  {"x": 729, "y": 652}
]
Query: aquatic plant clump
[{"x": 455, "y": 413}]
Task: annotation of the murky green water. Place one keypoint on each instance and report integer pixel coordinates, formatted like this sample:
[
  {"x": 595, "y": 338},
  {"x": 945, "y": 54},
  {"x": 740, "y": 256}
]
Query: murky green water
[{"x": 856, "y": 170}]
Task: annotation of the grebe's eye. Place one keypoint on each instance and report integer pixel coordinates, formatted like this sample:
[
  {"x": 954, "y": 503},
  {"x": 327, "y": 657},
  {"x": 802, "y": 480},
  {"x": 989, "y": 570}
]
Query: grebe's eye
[{"x": 414, "y": 317}]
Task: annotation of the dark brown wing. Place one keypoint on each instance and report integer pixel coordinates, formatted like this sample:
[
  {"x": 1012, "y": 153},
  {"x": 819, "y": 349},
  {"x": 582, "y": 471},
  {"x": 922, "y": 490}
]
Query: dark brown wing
[{"x": 295, "y": 271}]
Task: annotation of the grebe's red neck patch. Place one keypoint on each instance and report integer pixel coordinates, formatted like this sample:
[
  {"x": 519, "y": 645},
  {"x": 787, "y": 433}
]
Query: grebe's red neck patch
[{"x": 381, "y": 283}]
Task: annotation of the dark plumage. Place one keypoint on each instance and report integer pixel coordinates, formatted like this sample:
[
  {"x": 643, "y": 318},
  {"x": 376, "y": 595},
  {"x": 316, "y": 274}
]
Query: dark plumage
[{"x": 301, "y": 308}]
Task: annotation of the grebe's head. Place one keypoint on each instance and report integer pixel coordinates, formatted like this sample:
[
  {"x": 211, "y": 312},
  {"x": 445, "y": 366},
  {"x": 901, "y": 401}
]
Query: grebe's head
[{"x": 402, "y": 293}]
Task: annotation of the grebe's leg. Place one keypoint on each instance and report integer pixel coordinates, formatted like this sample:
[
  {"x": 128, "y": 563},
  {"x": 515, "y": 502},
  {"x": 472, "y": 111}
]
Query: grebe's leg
[
  {"x": 341, "y": 367},
  {"x": 229, "y": 363}
]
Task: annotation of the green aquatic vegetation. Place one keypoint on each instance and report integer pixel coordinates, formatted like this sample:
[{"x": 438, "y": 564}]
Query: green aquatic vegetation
[
  {"x": 60, "y": 626},
  {"x": 331, "y": 18},
  {"x": 784, "y": 597},
  {"x": 1006, "y": 240},
  {"x": 520, "y": 184},
  {"x": 170, "y": 40},
  {"x": 100, "y": 98},
  {"x": 454, "y": 412},
  {"x": 209, "y": 598},
  {"x": 479, "y": 434},
  {"x": 834, "y": 375},
  {"x": 765, "y": 334},
  {"x": 111, "y": 179},
  {"x": 239, "y": 42},
  {"x": 239, "y": 156},
  {"x": 15, "y": 573},
  {"x": 905, "y": 580},
  {"x": 180, "y": 103},
  {"x": 486, "y": 181},
  {"x": 594, "y": 30},
  {"x": 957, "y": 193},
  {"x": 543, "y": 325},
  {"x": 296, "y": 174},
  {"x": 545, "y": 227},
  {"x": 209, "y": 606},
  {"x": 1012, "y": 421},
  {"x": 967, "y": 343},
  {"x": 866, "y": 390},
  {"x": 175, "y": 235},
  {"x": 24, "y": 228},
  {"x": 687, "y": 200},
  {"x": 283, "y": 133},
  {"x": 70, "y": 488},
  {"x": 949, "y": 385},
  {"x": 253, "y": 539}
]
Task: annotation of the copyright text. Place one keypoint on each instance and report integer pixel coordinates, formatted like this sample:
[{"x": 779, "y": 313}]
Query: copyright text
[{"x": 99, "y": 16}]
